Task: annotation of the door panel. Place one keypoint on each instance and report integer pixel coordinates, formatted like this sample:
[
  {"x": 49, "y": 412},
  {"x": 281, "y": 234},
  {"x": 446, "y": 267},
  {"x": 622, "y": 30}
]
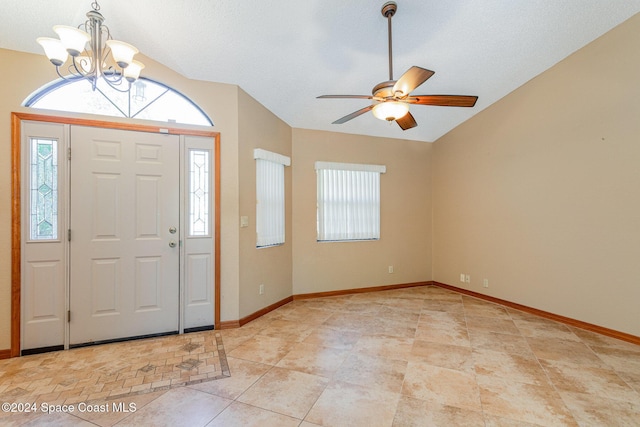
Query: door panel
[
  {"x": 124, "y": 277},
  {"x": 43, "y": 264}
]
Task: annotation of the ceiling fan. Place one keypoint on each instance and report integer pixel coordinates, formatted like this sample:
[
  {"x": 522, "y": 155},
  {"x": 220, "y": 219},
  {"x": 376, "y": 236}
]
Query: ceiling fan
[{"x": 391, "y": 98}]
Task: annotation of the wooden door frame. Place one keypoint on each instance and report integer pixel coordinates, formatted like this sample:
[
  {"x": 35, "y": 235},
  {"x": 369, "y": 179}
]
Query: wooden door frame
[{"x": 16, "y": 214}]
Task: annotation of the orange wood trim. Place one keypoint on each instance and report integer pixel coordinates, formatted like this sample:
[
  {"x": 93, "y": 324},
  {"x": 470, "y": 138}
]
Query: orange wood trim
[
  {"x": 562, "y": 319},
  {"x": 15, "y": 235},
  {"x": 16, "y": 121},
  {"x": 229, "y": 324},
  {"x": 359, "y": 290},
  {"x": 216, "y": 242},
  {"x": 112, "y": 125},
  {"x": 264, "y": 311},
  {"x": 5, "y": 354}
]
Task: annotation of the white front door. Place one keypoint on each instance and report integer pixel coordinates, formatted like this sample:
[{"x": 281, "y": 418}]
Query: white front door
[{"x": 124, "y": 248}]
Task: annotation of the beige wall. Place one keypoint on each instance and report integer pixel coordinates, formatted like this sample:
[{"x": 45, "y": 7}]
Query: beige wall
[
  {"x": 405, "y": 240},
  {"x": 259, "y": 128},
  {"x": 540, "y": 193}
]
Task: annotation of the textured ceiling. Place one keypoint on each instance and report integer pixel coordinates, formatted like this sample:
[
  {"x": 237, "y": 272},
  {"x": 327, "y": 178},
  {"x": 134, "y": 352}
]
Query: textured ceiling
[{"x": 284, "y": 53}]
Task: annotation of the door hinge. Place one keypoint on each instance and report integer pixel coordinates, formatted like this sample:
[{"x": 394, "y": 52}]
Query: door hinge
[
  {"x": 69, "y": 235},
  {"x": 69, "y": 153},
  {"x": 68, "y": 315}
]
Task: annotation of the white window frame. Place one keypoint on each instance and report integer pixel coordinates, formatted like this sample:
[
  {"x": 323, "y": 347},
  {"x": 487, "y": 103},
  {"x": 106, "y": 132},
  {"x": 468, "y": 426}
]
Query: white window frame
[
  {"x": 353, "y": 213},
  {"x": 270, "y": 198}
]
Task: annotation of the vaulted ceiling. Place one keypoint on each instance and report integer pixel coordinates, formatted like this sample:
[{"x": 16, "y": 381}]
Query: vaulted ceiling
[{"x": 285, "y": 53}]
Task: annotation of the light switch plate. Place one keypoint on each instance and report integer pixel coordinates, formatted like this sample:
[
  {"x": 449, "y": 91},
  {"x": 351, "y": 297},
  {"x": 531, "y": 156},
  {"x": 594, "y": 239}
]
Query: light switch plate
[{"x": 244, "y": 221}]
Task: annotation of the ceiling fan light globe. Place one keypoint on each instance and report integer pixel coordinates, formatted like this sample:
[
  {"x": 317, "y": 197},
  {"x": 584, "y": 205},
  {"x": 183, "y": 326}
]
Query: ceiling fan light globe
[{"x": 390, "y": 110}]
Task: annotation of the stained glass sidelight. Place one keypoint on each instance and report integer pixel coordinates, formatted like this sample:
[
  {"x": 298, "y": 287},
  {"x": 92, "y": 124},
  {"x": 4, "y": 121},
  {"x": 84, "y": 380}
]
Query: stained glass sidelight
[
  {"x": 199, "y": 199},
  {"x": 44, "y": 189}
]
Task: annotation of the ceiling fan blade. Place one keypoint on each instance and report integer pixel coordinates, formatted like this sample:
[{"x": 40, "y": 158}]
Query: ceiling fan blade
[
  {"x": 407, "y": 122},
  {"x": 346, "y": 96},
  {"x": 353, "y": 115},
  {"x": 443, "y": 100},
  {"x": 411, "y": 79}
]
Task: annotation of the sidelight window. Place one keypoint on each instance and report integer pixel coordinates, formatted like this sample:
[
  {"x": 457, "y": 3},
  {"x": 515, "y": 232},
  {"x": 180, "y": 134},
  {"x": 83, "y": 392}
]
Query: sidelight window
[{"x": 43, "y": 167}]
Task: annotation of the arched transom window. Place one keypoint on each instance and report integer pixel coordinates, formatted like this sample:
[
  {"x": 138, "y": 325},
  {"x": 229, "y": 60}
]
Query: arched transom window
[{"x": 148, "y": 99}]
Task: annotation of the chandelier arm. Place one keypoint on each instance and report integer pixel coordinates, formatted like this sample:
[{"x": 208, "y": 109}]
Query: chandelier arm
[{"x": 115, "y": 83}]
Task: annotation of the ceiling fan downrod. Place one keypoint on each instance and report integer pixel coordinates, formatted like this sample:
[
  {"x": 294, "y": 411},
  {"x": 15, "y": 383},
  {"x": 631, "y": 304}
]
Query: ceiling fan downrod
[{"x": 388, "y": 10}]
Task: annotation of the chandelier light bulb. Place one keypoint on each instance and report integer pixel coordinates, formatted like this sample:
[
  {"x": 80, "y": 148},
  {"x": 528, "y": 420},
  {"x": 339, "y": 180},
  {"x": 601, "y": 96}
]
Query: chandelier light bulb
[
  {"x": 122, "y": 52},
  {"x": 390, "y": 110},
  {"x": 73, "y": 39},
  {"x": 54, "y": 49},
  {"x": 132, "y": 72}
]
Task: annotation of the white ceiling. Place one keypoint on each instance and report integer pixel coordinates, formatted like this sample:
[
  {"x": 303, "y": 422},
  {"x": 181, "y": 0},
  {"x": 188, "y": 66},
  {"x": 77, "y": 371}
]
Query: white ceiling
[{"x": 284, "y": 53}]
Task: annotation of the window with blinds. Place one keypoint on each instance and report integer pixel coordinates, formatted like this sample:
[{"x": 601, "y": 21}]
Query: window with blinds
[
  {"x": 348, "y": 201},
  {"x": 270, "y": 203}
]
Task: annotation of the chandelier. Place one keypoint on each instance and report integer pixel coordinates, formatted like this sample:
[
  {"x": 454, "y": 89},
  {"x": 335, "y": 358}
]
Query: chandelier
[{"x": 89, "y": 45}]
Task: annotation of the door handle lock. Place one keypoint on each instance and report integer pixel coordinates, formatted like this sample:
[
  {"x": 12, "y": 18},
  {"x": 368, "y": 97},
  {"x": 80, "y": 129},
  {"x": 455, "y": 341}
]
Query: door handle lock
[
  {"x": 172, "y": 230},
  {"x": 172, "y": 243}
]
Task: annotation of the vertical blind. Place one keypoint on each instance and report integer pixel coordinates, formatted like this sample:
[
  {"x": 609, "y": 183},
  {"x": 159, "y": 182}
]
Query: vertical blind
[
  {"x": 270, "y": 204},
  {"x": 348, "y": 201}
]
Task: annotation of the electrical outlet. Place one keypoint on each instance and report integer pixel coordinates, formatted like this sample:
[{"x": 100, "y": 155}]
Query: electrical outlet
[
  {"x": 462, "y": 277},
  {"x": 261, "y": 291},
  {"x": 485, "y": 283},
  {"x": 390, "y": 269},
  {"x": 467, "y": 279}
]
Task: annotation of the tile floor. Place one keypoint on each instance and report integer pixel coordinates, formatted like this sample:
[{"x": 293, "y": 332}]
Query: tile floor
[{"x": 410, "y": 357}]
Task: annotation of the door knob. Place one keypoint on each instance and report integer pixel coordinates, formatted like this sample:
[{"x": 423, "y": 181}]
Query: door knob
[
  {"x": 172, "y": 244},
  {"x": 172, "y": 230}
]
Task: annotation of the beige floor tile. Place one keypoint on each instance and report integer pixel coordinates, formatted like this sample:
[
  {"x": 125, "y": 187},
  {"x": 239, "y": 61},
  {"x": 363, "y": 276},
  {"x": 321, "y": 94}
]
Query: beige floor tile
[
  {"x": 356, "y": 322},
  {"x": 545, "y": 329},
  {"x": 415, "y": 412},
  {"x": 333, "y": 338},
  {"x": 443, "y": 355},
  {"x": 602, "y": 382},
  {"x": 361, "y": 307},
  {"x": 244, "y": 374},
  {"x": 392, "y": 328},
  {"x": 58, "y": 419},
  {"x": 288, "y": 330},
  {"x": 344, "y": 404},
  {"x": 286, "y": 392},
  {"x": 422, "y": 355},
  {"x": 240, "y": 415},
  {"x": 564, "y": 351},
  {"x": 388, "y": 347},
  {"x": 506, "y": 343},
  {"x": 593, "y": 339},
  {"x": 591, "y": 410},
  {"x": 492, "y": 324},
  {"x": 443, "y": 335},
  {"x": 374, "y": 372},
  {"x": 619, "y": 359},
  {"x": 262, "y": 349},
  {"x": 404, "y": 305},
  {"x": 441, "y": 385},
  {"x": 313, "y": 359},
  {"x": 309, "y": 316},
  {"x": 442, "y": 319},
  {"x": 523, "y": 402},
  {"x": 179, "y": 406},
  {"x": 509, "y": 366},
  {"x": 493, "y": 421}
]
